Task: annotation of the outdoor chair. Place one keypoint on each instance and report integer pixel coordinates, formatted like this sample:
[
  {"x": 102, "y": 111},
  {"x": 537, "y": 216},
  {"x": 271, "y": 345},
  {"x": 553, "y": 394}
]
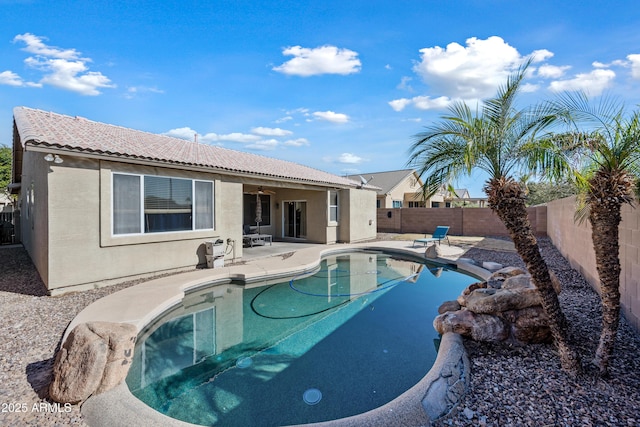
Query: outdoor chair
[
  {"x": 250, "y": 239},
  {"x": 437, "y": 236}
]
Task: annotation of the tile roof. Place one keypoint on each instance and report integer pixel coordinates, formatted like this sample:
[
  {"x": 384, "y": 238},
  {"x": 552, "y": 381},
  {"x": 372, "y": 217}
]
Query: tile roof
[
  {"x": 47, "y": 129},
  {"x": 386, "y": 181}
]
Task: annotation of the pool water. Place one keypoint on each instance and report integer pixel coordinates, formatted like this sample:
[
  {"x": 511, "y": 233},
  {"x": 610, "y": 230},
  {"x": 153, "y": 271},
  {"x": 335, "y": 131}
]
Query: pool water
[{"x": 345, "y": 340}]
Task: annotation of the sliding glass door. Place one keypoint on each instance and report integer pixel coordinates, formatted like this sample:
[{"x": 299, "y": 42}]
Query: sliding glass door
[{"x": 294, "y": 221}]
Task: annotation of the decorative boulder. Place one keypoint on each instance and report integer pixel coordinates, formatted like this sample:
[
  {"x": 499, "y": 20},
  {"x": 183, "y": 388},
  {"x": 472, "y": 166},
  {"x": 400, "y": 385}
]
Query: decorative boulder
[
  {"x": 529, "y": 325},
  {"x": 508, "y": 272},
  {"x": 433, "y": 251},
  {"x": 506, "y": 306},
  {"x": 497, "y": 300},
  {"x": 95, "y": 358},
  {"x": 448, "y": 306},
  {"x": 479, "y": 327}
]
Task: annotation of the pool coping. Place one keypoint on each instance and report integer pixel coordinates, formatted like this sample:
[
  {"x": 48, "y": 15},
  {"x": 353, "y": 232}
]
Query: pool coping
[{"x": 434, "y": 396}]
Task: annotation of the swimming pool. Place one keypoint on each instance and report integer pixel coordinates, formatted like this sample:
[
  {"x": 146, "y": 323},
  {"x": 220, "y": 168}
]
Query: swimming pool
[{"x": 347, "y": 339}]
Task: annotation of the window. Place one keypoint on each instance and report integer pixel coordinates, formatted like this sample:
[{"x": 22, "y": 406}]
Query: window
[
  {"x": 155, "y": 204},
  {"x": 416, "y": 204},
  {"x": 435, "y": 204},
  {"x": 333, "y": 206},
  {"x": 397, "y": 203},
  {"x": 378, "y": 203}
]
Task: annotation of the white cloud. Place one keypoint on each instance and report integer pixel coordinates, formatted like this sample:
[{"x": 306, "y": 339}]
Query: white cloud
[
  {"x": 540, "y": 55},
  {"x": 182, "y": 133},
  {"x": 469, "y": 72},
  {"x": 350, "y": 158},
  {"x": 132, "y": 91},
  {"x": 331, "y": 116},
  {"x": 321, "y": 60},
  {"x": 208, "y": 138},
  {"x": 270, "y": 131},
  {"x": 593, "y": 83},
  {"x": 634, "y": 59},
  {"x": 36, "y": 46},
  {"x": 428, "y": 103},
  {"x": 350, "y": 171},
  {"x": 71, "y": 75},
  {"x": 284, "y": 119},
  {"x": 62, "y": 68},
  {"x": 421, "y": 103},
  {"x": 239, "y": 137},
  {"x": 400, "y": 104},
  {"x": 404, "y": 84},
  {"x": 264, "y": 145},
  {"x": 299, "y": 142},
  {"x": 530, "y": 87},
  {"x": 10, "y": 78},
  {"x": 552, "y": 71}
]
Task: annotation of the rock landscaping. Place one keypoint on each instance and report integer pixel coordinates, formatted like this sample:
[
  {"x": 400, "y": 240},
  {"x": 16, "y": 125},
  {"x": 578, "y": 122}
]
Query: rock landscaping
[{"x": 505, "y": 307}]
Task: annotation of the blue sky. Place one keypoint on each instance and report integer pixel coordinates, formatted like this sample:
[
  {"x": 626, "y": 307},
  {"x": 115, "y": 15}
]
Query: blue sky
[{"x": 341, "y": 86}]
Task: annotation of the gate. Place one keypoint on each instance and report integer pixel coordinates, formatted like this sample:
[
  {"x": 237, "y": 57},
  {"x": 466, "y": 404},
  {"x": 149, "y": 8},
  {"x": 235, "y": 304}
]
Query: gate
[{"x": 7, "y": 228}]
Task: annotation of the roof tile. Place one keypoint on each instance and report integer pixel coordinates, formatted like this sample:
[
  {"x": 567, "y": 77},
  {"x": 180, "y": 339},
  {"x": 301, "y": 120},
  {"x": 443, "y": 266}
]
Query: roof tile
[{"x": 44, "y": 128}]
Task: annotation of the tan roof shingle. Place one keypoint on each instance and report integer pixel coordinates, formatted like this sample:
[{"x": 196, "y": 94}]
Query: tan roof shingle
[{"x": 43, "y": 128}]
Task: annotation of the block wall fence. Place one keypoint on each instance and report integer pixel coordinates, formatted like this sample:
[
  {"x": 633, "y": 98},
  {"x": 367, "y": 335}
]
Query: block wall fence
[
  {"x": 462, "y": 221},
  {"x": 555, "y": 220},
  {"x": 573, "y": 240}
]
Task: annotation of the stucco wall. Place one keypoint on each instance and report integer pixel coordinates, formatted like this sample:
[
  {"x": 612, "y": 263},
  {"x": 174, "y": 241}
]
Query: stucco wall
[
  {"x": 357, "y": 215},
  {"x": 82, "y": 251},
  {"x": 317, "y": 212},
  {"x": 573, "y": 240},
  {"x": 462, "y": 221},
  {"x": 67, "y": 223},
  {"x": 34, "y": 196}
]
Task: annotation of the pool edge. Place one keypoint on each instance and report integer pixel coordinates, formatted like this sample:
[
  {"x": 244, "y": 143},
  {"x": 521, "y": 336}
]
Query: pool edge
[{"x": 434, "y": 396}]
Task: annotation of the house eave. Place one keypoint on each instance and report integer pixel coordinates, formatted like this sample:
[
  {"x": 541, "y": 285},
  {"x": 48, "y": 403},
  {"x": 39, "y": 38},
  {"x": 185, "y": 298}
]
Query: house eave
[{"x": 244, "y": 177}]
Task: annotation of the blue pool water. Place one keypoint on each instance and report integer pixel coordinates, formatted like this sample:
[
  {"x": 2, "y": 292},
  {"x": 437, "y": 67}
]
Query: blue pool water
[{"x": 347, "y": 339}]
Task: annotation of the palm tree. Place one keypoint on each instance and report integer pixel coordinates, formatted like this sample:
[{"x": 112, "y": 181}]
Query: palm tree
[
  {"x": 499, "y": 140},
  {"x": 607, "y": 178}
]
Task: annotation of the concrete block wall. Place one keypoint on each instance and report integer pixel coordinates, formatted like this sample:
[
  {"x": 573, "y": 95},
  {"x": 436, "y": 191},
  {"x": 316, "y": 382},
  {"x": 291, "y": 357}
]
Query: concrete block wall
[
  {"x": 462, "y": 221},
  {"x": 573, "y": 240}
]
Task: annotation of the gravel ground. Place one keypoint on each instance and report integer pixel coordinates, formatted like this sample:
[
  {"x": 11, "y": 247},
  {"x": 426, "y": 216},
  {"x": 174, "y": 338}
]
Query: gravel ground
[{"x": 510, "y": 385}]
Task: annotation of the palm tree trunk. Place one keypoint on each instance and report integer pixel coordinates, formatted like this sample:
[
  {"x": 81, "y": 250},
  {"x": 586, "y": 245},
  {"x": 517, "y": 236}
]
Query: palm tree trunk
[
  {"x": 506, "y": 199},
  {"x": 605, "y": 218}
]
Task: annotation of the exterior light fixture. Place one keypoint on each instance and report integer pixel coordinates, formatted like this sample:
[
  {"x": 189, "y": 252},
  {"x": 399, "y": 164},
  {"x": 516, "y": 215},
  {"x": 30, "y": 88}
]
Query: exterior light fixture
[{"x": 55, "y": 159}]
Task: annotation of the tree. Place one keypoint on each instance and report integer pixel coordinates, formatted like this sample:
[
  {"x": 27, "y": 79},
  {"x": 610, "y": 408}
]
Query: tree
[
  {"x": 543, "y": 192},
  {"x": 500, "y": 140},
  {"x": 5, "y": 169},
  {"x": 607, "y": 176}
]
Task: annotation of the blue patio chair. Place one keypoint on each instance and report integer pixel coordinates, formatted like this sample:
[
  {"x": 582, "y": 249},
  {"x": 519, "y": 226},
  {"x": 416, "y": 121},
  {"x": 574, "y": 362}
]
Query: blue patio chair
[{"x": 439, "y": 233}]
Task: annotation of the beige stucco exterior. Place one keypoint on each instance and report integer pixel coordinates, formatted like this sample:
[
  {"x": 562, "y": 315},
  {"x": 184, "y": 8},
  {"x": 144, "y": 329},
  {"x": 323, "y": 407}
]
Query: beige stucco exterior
[
  {"x": 67, "y": 222},
  {"x": 409, "y": 193}
]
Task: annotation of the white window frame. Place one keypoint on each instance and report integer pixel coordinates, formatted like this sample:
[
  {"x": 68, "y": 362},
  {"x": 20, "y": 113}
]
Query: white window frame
[
  {"x": 142, "y": 231},
  {"x": 336, "y": 207}
]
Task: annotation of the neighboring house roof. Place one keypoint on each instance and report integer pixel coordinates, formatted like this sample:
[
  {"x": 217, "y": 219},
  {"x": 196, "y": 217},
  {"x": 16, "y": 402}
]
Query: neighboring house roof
[
  {"x": 386, "y": 181},
  {"x": 44, "y": 129},
  {"x": 460, "y": 193}
]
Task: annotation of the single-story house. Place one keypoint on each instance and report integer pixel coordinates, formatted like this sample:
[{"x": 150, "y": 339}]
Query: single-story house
[{"x": 99, "y": 203}]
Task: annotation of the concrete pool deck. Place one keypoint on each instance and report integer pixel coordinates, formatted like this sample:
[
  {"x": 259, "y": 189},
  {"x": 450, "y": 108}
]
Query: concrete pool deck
[{"x": 140, "y": 304}]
